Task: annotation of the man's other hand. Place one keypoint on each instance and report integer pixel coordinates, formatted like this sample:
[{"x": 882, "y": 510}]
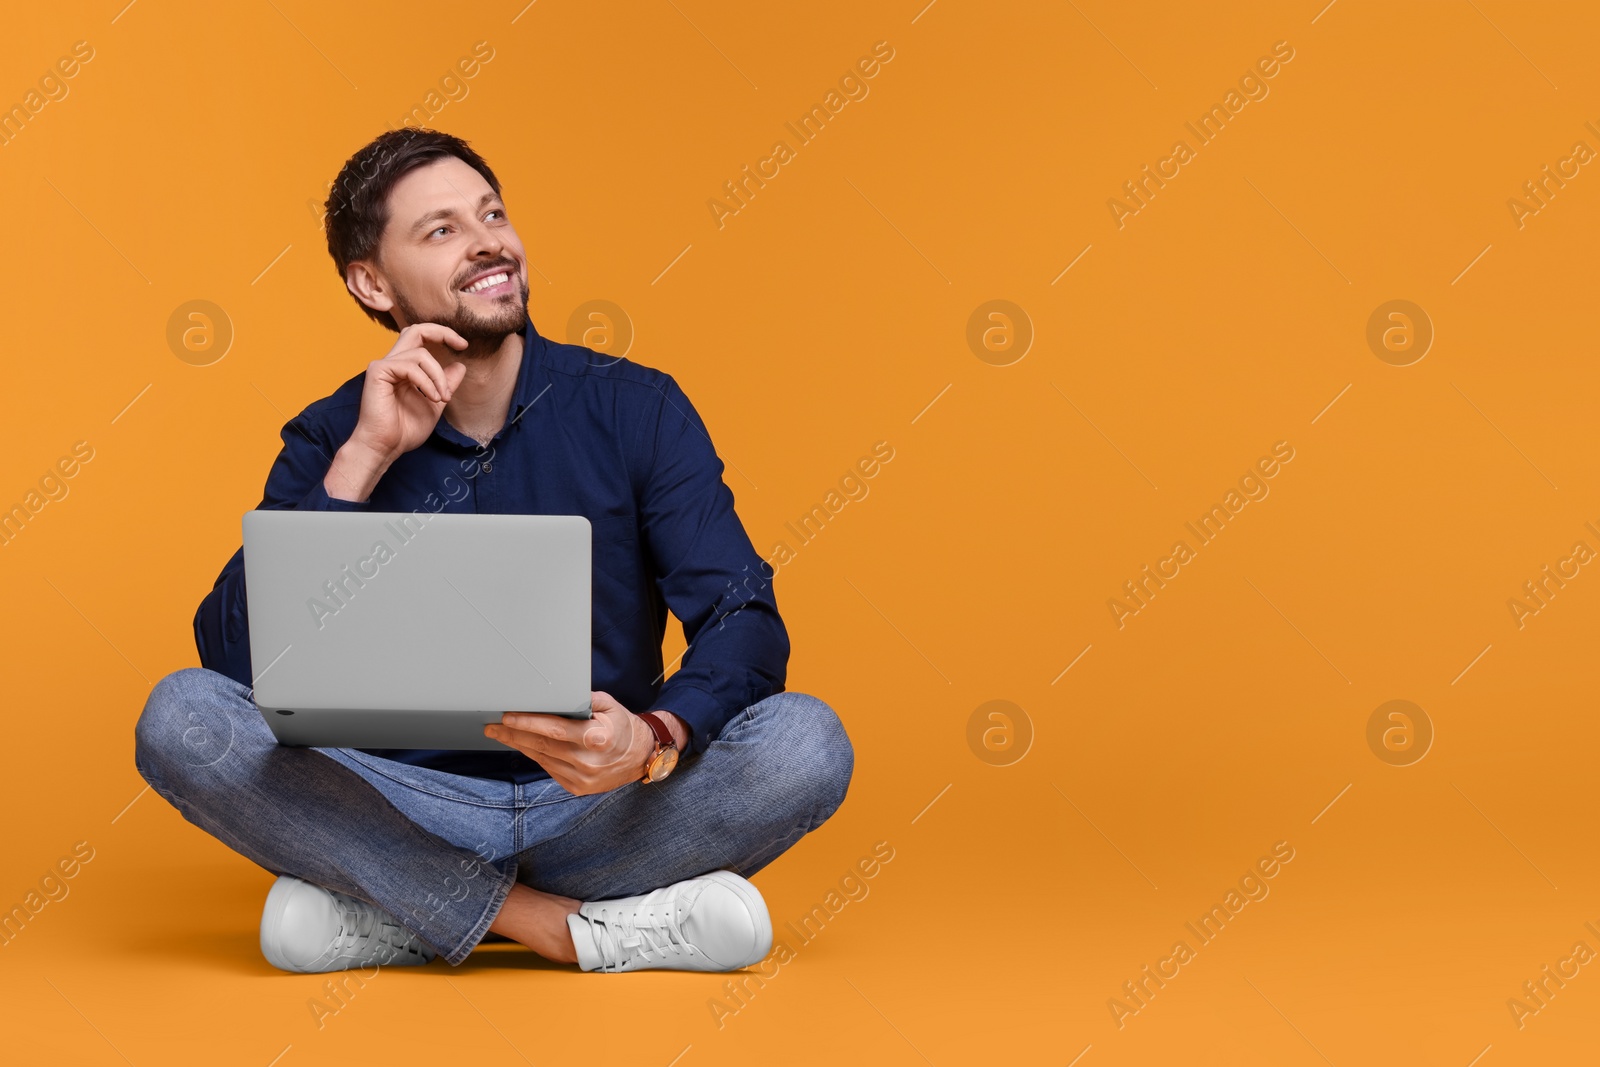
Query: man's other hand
[{"x": 585, "y": 756}]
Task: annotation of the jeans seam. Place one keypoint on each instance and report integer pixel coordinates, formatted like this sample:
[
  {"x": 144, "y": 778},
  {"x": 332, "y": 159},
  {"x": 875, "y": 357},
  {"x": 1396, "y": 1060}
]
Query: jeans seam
[
  {"x": 464, "y": 948},
  {"x": 606, "y": 798}
]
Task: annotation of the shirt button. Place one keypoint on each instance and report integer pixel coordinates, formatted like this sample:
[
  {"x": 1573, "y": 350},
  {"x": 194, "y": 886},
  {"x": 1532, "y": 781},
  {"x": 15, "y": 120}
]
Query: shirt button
[{"x": 488, "y": 467}]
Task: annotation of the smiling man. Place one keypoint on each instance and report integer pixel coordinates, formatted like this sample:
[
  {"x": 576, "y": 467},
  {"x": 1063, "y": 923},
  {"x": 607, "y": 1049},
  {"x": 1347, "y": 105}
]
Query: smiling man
[{"x": 621, "y": 842}]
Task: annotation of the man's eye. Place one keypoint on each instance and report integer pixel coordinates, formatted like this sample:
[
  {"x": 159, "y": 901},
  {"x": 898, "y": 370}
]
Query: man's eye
[
  {"x": 497, "y": 211},
  {"x": 440, "y": 228}
]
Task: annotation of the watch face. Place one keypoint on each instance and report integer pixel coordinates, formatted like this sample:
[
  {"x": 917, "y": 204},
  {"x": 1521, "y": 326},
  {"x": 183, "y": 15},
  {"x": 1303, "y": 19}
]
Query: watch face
[{"x": 663, "y": 764}]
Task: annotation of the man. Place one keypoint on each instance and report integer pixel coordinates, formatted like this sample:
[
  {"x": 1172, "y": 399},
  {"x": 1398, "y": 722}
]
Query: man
[{"x": 580, "y": 840}]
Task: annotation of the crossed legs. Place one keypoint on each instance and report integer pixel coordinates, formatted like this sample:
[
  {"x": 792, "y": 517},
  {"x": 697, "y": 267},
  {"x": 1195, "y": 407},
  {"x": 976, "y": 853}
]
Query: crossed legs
[{"x": 453, "y": 857}]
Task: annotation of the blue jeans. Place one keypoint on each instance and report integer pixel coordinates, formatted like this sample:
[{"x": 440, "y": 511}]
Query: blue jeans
[{"x": 441, "y": 851}]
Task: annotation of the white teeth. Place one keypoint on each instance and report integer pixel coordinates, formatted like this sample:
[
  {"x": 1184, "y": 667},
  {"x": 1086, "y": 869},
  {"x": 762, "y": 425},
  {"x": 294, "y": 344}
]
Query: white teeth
[{"x": 491, "y": 280}]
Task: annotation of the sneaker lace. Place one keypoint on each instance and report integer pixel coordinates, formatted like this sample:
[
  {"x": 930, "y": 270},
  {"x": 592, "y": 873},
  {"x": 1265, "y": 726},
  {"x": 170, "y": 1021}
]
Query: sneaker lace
[
  {"x": 365, "y": 933},
  {"x": 647, "y": 930}
]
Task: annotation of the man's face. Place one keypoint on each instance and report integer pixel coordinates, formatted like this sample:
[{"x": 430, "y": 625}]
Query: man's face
[{"x": 447, "y": 230}]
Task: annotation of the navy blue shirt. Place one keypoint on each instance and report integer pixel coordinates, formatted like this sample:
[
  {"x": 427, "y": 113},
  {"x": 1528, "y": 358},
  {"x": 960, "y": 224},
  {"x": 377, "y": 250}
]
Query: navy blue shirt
[{"x": 591, "y": 435}]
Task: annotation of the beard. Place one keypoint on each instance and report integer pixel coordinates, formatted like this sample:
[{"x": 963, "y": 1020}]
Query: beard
[{"x": 483, "y": 324}]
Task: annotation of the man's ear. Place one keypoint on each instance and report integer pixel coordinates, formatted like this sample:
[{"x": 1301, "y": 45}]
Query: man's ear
[{"x": 367, "y": 286}]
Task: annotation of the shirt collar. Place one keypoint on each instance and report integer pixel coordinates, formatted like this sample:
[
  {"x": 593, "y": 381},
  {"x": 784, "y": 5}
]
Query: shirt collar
[{"x": 528, "y": 389}]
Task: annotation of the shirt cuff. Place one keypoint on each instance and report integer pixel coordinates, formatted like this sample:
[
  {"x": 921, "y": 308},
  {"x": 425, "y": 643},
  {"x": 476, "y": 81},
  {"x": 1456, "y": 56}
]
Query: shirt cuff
[
  {"x": 319, "y": 500},
  {"x": 696, "y": 707}
]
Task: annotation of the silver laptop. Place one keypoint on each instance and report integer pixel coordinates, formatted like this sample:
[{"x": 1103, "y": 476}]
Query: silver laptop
[{"x": 414, "y": 630}]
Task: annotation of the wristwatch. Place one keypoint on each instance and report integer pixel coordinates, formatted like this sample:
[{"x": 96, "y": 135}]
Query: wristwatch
[{"x": 665, "y": 756}]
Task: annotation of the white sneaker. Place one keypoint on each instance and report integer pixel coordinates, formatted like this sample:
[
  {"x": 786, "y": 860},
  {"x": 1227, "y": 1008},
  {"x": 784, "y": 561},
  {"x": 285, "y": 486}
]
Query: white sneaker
[
  {"x": 309, "y": 929},
  {"x": 716, "y": 922}
]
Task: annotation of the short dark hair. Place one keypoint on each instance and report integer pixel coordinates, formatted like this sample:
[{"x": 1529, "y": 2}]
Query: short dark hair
[{"x": 357, "y": 209}]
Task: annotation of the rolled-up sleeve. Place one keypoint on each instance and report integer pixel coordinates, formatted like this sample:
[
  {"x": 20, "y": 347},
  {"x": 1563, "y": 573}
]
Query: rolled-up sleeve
[
  {"x": 222, "y": 625},
  {"x": 710, "y": 577}
]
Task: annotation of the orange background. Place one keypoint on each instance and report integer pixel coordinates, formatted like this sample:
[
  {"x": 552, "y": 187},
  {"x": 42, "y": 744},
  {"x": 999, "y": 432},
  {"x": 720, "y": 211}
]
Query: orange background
[{"x": 1225, "y": 316}]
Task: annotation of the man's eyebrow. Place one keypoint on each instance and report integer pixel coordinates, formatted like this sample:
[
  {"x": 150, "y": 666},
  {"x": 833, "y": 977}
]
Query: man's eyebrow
[{"x": 450, "y": 212}]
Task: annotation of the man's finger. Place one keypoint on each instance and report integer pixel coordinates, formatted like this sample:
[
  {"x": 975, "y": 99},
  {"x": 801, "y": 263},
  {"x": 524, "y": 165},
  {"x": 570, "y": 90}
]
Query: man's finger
[
  {"x": 568, "y": 750},
  {"x": 530, "y": 745},
  {"x": 424, "y": 383},
  {"x": 422, "y": 360},
  {"x": 510, "y": 735},
  {"x": 454, "y": 374},
  {"x": 555, "y": 727},
  {"x": 562, "y": 770},
  {"x": 433, "y": 331}
]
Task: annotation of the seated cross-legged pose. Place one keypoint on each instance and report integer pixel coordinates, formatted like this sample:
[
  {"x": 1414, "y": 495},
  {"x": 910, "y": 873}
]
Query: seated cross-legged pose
[{"x": 620, "y": 842}]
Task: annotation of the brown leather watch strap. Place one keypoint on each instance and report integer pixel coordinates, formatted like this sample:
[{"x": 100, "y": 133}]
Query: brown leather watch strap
[{"x": 659, "y": 727}]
